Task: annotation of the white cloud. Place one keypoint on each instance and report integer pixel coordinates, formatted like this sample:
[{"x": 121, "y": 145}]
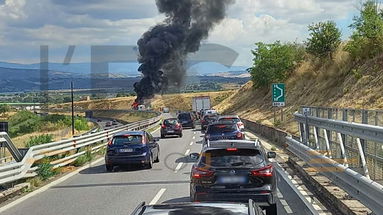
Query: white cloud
[{"x": 121, "y": 22}]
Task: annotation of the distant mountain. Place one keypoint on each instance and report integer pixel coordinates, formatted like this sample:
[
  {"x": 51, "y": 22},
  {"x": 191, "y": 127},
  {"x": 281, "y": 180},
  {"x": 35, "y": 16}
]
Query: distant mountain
[{"x": 126, "y": 69}]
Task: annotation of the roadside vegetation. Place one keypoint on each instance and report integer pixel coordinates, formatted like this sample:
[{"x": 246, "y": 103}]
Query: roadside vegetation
[
  {"x": 322, "y": 71},
  {"x": 25, "y": 122}
]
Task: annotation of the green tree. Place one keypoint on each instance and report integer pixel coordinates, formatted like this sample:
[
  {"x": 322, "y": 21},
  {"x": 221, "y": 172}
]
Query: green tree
[
  {"x": 367, "y": 40},
  {"x": 324, "y": 39},
  {"x": 274, "y": 62},
  {"x": 4, "y": 108}
]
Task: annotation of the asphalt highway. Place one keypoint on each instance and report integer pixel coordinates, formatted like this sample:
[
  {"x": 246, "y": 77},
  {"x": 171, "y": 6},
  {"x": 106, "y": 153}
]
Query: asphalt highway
[{"x": 93, "y": 191}]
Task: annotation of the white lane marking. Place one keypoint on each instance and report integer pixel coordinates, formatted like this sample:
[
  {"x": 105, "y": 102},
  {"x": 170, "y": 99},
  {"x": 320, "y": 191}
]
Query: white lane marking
[
  {"x": 191, "y": 143},
  {"x": 288, "y": 209},
  {"x": 46, "y": 187},
  {"x": 178, "y": 167},
  {"x": 53, "y": 183},
  {"x": 195, "y": 132},
  {"x": 187, "y": 152},
  {"x": 157, "y": 196},
  {"x": 193, "y": 137}
]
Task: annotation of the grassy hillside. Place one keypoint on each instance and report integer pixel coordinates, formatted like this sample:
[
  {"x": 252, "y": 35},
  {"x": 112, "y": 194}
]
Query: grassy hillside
[
  {"x": 335, "y": 83},
  {"x": 173, "y": 101}
]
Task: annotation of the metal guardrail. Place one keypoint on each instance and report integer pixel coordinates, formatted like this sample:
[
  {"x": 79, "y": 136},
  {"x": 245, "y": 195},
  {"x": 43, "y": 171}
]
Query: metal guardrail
[
  {"x": 360, "y": 187},
  {"x": 316, "y": 147},
  {"x": 77, "y": 146}
]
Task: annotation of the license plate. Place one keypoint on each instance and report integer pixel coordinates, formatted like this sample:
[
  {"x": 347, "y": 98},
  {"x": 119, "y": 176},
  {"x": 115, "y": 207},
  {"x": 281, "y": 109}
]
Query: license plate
[
  {"x": 232, "y": 180},
  {"x": 170, "y": 131},
  {"x": 126, "y": 150},
  {"x": 184, "y": 122}
]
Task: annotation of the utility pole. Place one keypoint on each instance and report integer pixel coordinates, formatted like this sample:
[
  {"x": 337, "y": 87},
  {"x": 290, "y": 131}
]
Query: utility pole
[{"x": 71, "y": 90}]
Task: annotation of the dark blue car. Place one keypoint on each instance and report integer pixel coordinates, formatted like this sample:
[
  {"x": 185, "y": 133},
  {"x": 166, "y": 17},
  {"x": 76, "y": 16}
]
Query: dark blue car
[
  {"x": 132, "y": 147},
  {"x": 224, "y": 131}
]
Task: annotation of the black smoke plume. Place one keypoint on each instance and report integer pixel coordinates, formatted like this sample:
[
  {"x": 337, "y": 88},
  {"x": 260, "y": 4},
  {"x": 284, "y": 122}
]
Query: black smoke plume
[{"x": 164, "y": 48}]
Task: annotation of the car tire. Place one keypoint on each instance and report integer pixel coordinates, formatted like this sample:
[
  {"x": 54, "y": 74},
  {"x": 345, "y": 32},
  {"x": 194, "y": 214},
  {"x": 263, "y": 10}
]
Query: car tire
[
  {"x": 180, "y": 135},
  {"x": 109, "y": 168},
  {"x": 157, "y": 158},
  {"x": 271, "y": 210},
  {"x": 150, "y": 163},
  {"x": 162, "y": 136}
]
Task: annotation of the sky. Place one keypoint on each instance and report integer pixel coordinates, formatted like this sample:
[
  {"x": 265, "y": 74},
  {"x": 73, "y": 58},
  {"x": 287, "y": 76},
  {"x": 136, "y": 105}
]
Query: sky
[{"x": 27, "y": 24}]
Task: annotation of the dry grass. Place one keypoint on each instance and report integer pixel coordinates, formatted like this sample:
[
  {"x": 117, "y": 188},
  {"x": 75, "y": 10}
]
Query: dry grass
[
  {"x": 172, "y": 101},
  {"x": 315, "y": 82}
]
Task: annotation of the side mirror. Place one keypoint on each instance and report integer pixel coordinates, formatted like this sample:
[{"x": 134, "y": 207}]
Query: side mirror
[
  {"x": 271, "y": 154},
  {"x": 156, "y": 139},
  {"x": 194, "y": 156}
]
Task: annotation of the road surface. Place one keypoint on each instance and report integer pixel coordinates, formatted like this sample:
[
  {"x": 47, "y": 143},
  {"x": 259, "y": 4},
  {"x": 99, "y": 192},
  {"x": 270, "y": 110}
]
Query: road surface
[{"x": 93, "y": 191}]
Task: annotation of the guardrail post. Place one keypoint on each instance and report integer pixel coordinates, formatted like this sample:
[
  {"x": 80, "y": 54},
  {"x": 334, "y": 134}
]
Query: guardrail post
[
  {"x": 326, "y": 136},
  {"x": 301, "y": 132},
  {"x": 342, "y": 150},
  {"x": 316, "y": 138},
  {"x": 362, "y": 158}
]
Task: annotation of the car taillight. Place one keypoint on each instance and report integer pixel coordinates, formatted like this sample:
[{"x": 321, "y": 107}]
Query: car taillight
[
  {"x": 199, "y": 173},
  {"x": 231, "y": 149},
  {"x": 178, "y": 126},
  {"x": 240, "y": 124},
  {"x": 266, "y": 171},
  {"x": 110, "y": 142},
  {"x": 163, "y": 126},
  {"x": 239, "y": 135}
]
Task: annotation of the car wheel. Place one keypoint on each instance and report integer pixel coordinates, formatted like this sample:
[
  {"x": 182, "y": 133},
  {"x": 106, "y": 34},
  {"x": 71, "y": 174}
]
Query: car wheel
[
  {"x": 150, "y": 164},
  {"x": 162, "y": 136},
  {"x": 271, "y": 210},
  {"x": 180, "y": 135},
  {"x": 158, "y": 157},
  {"x": 109, "y": 168}
]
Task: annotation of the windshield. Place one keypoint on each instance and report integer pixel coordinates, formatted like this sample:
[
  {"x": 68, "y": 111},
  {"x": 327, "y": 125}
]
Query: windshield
[
  {"x": 127, "y": 140},
  {"x": 238, "y": 158},
  {"x": 229, "y": 120},
  {"x": 184, "y": 116},
  {"x": 171, "y": 122},
  {"x": 222, "y": 128}
]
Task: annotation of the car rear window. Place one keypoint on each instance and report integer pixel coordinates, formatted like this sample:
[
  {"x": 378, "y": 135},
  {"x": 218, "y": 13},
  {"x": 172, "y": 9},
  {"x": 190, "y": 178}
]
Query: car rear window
[
  {"x": 222, "y": 128},
  {"x": 238, "y": 158},
  {"x": 229, "y": 119},
  {"x": 170, "y": 122},
  {"x": 184, "y": 116},
  {"x": 210, "y": 118},
  {"x": 127, "y": 140}
]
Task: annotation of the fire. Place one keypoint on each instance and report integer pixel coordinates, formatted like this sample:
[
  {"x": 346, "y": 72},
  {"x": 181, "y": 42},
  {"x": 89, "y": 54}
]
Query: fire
[{"x": 135, "y": 105}]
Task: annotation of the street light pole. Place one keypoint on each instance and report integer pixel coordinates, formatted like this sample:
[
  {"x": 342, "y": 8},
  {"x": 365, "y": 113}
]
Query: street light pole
[{"x": 71, "y": 89}]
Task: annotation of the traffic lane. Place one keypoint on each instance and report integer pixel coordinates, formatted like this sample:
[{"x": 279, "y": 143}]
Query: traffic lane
[
  {"x": 180, "y": 192},
  {"x": 94, "y": 191}
]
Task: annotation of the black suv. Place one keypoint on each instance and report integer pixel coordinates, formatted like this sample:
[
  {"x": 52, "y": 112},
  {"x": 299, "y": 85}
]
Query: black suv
[
  {"x": 206, "y": 120},
  {"x": 186, "y": 120},
  {"x": 234, "y": 171}
]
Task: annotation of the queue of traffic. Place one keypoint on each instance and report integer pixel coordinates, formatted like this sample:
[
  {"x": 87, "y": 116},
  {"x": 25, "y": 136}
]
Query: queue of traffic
[{"x": 230, "y": 174}]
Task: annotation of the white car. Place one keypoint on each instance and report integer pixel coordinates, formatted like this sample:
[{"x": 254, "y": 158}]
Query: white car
[{"x": 232, "y": 118}]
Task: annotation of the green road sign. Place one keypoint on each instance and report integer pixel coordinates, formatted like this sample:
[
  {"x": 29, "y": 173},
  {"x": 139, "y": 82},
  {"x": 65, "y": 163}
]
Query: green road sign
[{"x": 279, "y": 93}]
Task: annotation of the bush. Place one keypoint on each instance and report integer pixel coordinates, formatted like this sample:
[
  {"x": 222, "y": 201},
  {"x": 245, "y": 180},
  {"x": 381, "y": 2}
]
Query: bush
[
  {"x": 274, "y": 62},
  {"x": 4, "y": 108},
  {"x": 81, "y": 124},
  {"x": 324, "y": 39},
  {"x": 38, "y": 140},
  {"x": 83, "y": 159},
  {"x": 45, "y": 170},
  {"x": 367, "y": 40}
]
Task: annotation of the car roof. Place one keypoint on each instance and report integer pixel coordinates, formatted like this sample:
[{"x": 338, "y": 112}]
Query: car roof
[
  {"x": 240, "y": 144},
  {"x": 184, "y": 208},
  {"x": 171, "y": 119},
  {"x": 223, "y": 123},
  {"x": 228, "y": 116},
  {"x": 129, "y": 133}
]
